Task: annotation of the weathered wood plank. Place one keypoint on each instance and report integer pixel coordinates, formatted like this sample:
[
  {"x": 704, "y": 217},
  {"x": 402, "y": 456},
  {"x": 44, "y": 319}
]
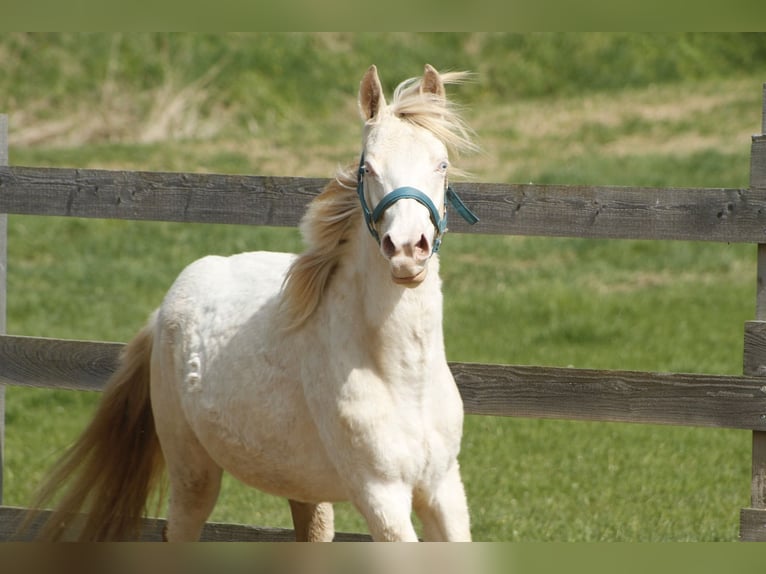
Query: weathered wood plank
[
  {"x": 10, "y": 518},
  {"x": 57, "y": 363},
  {"x": 617, "y": 396},
  {"x": 754, "y": 360},
  {"x": 763, "y": 112},
  {"x": 729, "y": 215},
  {"x": 758, "y": 163},
  {"x": 760, "y": 286},
  {"x": 758, "y": 475},
  {"x": 141, "y": 195},
  {"x": 501, "y": 390},
  {"x": 754, "y": 364},
  {"x": 753, "y": 520},
  {"x": 752, "y": 525}
]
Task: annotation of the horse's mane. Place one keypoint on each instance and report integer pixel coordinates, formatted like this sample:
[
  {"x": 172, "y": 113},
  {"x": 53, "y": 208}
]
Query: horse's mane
[
  {"x": 434, "y": 113},
  {"x": 327, "y": 226},
  {"x": 334, "y": 215}
]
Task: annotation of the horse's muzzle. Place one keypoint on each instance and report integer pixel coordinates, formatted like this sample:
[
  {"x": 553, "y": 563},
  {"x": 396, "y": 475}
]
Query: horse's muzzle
[{"x": 410, "y": 280}]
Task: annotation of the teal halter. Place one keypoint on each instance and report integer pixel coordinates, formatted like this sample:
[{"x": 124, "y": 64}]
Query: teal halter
[{"x": 371, "y": 218}]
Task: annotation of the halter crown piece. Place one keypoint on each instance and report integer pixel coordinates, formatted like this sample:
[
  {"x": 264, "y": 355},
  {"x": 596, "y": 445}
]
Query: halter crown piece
[{"x": 371, "y": 217}]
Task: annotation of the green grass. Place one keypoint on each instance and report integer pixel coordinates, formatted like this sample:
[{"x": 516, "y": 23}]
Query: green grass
[
  {"x": 609, "y": 109},
  {"x": 598, "y": 304},
  {"x": 507, "y": 463}
]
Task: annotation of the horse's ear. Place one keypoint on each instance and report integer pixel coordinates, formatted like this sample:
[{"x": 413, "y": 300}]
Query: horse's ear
[
  {"x": 432, "y": 82},
  {"x": 371, "y": 99}
]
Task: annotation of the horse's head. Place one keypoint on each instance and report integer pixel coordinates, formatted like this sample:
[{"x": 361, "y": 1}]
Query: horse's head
[{"x": 403, "y": 171}]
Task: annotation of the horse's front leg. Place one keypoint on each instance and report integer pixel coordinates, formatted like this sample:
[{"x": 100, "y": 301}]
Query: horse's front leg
[
  {"x": 387, "y": 508},
  {"x": 444, "y": 511},
  {"x": 313, "y": 522}
]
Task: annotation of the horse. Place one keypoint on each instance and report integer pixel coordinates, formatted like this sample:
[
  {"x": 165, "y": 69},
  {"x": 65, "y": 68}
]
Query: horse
[{"x": 319, "y": 377}]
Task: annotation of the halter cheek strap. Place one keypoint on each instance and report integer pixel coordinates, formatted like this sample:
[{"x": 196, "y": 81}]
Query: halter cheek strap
[{"x": 371, "y": 218}]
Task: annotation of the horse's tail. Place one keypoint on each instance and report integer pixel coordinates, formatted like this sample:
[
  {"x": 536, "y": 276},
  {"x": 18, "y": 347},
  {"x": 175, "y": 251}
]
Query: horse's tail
[{"x": 112, "y": 468}]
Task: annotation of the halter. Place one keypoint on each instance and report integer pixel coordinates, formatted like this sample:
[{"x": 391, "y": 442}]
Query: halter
[{"x": 371, "y": 218}]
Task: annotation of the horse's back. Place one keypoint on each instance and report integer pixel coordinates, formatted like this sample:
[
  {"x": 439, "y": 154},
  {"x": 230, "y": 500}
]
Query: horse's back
[
  {"x": 252, "y": 276},
  {"x": 215, "y": 299}
]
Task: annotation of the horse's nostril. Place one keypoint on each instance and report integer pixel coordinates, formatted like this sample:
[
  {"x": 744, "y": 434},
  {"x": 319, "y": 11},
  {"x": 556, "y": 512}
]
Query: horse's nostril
[
  {"x": 423, "y": 244},
  {"x": 389, "y": 249}
]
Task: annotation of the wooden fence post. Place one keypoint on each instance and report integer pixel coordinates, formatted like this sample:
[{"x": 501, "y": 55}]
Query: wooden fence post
[
  {"x": 3, "y": 275},
  {"x": 753, "y": 519}
]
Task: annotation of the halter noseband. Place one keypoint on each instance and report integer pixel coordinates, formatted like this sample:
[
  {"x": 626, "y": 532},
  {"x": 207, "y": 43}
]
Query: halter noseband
[{"x": 371, "y": 218}]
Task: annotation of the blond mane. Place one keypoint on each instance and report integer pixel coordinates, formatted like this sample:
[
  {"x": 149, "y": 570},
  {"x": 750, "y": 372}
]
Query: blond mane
[
  {"x": 334, "y": 215},
  {"x": 434, "y": 113},
  {"x": 326, "y": 227}
]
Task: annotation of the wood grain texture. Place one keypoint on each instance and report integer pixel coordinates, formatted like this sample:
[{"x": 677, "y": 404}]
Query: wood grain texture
[
  {"x": 185, "y": 197},
  {"x": 754, "y": 361},
  {"x": 754, "y": 364},
  {"x": 57, "y": 363},
  {"x": 763, "y": 112},
  {"x": 760, "y": 287},
  {"x": 617, "y": 396},
  {"x": 758, "y": 164},
  {"x": 10, "y": 518},
  {"x": 500, "y": 390},
  {"x": 758, "y": 480},
  {"x": 702, "y": 214},
  {"x": 752, "y": 525},
  {"x": 694, "y": 214}
]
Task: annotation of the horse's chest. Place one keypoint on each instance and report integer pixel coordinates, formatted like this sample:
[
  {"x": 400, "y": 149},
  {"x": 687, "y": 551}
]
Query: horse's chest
[{"x": 390, "y": 429}]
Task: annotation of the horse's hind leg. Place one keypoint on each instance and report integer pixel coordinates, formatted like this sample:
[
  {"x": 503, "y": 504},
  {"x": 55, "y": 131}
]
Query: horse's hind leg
[
  {"x": 195, "y": 482},
  {"x": 195, "y": 479},
  {"x": 313, "y": 522}
]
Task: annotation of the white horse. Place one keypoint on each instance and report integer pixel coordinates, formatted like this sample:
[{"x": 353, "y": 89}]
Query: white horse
[{"x": 320, "y": 377}]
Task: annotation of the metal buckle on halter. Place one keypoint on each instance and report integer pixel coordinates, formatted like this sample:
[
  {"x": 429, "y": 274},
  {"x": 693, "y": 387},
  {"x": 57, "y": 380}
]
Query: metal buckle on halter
[{"x": 406, "y": 192}]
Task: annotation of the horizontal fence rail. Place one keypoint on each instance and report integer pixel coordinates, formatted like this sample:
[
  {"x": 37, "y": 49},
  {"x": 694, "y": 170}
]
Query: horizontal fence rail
[
  {"x": 694, "y": 214},
  {"x": 500, "y": 390},
  {"x": 152, "y": 529}
]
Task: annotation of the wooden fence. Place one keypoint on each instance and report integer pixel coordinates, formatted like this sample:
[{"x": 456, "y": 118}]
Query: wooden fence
[{"x": 701, "y": 214}]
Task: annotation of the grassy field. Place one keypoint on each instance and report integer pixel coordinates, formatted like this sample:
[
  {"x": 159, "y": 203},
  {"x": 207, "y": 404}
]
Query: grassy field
[{"x": 670, "y": 110}]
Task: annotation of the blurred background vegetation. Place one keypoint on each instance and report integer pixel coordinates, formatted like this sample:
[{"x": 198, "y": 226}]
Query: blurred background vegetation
[{"x": 209, "y": 84}]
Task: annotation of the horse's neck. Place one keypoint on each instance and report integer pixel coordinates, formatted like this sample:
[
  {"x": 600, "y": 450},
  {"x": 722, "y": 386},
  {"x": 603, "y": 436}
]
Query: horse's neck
[{"x": 405, "y": 325}]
